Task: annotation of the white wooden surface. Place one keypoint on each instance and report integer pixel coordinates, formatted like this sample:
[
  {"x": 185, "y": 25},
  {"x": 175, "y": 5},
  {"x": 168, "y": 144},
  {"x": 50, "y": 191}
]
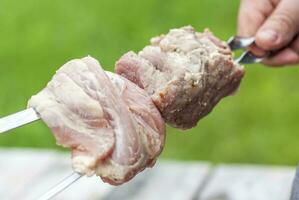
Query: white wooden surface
[
  {"x": 167, "y": 180},
  {"x": 26, "y": 174},
  {"x": 249, "y": 182}
]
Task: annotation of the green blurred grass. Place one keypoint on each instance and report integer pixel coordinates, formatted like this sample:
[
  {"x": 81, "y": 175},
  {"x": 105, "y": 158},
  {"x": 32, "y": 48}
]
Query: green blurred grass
[{"x": 258, "y": 125}]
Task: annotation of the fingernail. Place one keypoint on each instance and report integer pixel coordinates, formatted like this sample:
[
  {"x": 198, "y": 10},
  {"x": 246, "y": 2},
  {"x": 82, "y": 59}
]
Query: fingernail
[{"x": 268, "y": 35}]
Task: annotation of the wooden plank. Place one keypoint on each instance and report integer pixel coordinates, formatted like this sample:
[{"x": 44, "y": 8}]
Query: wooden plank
[
  {"x": 58, "y": 169},
  {"x": 19, "y": 169},
  {"x": 85, "y": 188},
  {"x": 26, "y": 174},
  {"x": 175, "y": 175},
  {"x": 167, "y": 180},
  {"x": 29, "y": 173},
  {"x": 249, "y": 182}
]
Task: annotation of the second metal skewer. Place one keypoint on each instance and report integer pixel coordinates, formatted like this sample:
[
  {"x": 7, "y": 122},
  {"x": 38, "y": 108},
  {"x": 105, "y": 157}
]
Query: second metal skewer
[
  {"x": 65, "y": 183},
  {"x": 25, "y": 117}
]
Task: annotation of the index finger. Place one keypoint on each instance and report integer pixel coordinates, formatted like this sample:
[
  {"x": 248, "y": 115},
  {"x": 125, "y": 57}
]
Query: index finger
[{"x": 252, "y": 14}]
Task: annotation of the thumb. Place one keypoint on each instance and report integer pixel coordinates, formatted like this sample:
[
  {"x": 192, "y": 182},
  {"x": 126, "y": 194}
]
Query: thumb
[{"x": 281, "y": 27}]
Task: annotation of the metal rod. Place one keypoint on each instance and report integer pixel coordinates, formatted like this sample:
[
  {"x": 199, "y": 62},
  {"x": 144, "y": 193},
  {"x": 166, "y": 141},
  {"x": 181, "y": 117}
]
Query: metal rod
[
  {"x": 65, "y": 183},
  {"x": 18, "y": 119}
]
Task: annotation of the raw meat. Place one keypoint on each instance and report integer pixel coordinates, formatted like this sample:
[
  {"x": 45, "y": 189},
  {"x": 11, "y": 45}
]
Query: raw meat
[
  {"x": 185, "y": 72},
  {"x": 111, "y": 125}
]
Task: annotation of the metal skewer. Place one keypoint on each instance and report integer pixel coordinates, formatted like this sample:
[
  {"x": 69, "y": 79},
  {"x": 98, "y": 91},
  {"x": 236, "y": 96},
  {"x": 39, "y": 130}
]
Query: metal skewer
[
  {"x": 18, "y": 119},
  {"x": 65, "y": 183},
  {"x": 30, "y": 115},
  {"x": 237, "y": 42},
  {"x": 25, "y": 117}
]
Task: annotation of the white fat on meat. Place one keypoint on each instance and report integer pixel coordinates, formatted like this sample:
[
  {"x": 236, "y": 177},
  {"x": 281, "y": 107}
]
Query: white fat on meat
[{"x": 111, "y": 125}]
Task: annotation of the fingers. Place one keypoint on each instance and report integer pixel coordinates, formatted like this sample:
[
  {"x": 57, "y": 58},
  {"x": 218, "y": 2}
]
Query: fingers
[
  {"x": 257, "y": 51},
  {"x": 274, "y": 23},
  {"x": 280, "y": 28},
  {"x": 252, "y": 14},
  {"x": 288, "y": 56},
  {"x": 295, "y": 44}
]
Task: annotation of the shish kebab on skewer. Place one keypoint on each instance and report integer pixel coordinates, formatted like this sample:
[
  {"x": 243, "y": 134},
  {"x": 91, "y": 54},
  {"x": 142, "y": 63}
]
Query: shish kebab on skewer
[{"x": 114, "y": 127}]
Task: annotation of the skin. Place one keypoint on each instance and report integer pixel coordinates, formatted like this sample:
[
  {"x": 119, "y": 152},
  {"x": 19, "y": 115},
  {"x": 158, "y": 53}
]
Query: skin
[{"x": 275, "y": 26}]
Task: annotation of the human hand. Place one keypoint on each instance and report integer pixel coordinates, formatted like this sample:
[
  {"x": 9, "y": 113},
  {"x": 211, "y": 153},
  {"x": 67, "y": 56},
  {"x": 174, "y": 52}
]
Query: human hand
[{"x": 275, "y": 26}]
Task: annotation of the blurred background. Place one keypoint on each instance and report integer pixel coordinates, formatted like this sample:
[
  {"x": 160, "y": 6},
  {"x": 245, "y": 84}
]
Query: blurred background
[{"x": 257, "y": 125}]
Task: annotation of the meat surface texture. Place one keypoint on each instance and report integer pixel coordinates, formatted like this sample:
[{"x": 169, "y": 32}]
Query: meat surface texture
[
  {"x": 111, "y": 125},
  {"x": 185, "y": 72}
]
